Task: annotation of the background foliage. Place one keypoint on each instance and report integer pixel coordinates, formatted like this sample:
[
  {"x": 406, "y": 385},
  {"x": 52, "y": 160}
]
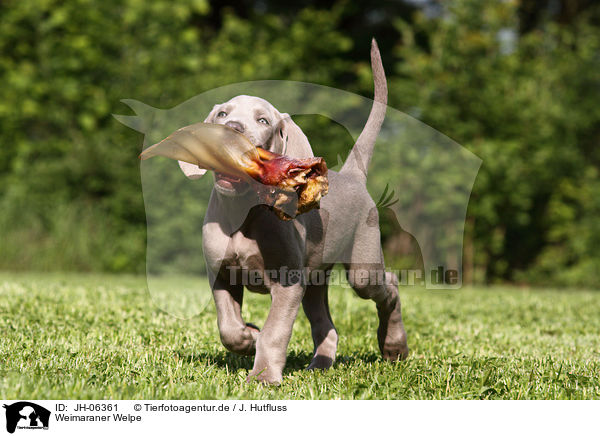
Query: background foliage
[{"x": 516, "y": 82}]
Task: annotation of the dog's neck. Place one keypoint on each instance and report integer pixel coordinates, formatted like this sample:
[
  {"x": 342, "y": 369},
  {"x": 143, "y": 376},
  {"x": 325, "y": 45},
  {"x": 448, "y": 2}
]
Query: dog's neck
[{"x": 234, "y": 210}]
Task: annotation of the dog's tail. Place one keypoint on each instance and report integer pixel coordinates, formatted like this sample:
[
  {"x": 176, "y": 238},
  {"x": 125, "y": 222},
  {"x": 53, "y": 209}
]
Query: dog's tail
[{"x": 360, "y": 155}]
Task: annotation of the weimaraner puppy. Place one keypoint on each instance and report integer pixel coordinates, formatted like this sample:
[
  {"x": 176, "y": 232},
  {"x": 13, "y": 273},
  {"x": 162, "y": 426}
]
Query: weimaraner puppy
[{"x": 240, "y": 235}]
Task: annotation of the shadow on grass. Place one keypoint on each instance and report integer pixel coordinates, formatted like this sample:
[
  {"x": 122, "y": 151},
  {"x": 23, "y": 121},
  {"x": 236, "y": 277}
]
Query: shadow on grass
[
  {"x": 221, "y": 359},
  {"x": 358, "y": 358},
  {"x": 295, "y": 360}
]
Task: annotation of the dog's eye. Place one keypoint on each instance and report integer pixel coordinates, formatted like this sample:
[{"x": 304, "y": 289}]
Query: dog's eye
[
  {"x": 263, "y": 120},
  {"x": 221, "y": 114}
]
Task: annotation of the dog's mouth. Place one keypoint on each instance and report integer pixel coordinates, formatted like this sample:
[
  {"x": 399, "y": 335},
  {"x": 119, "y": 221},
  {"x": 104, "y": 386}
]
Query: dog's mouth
[{"x": 230, "y": 185}]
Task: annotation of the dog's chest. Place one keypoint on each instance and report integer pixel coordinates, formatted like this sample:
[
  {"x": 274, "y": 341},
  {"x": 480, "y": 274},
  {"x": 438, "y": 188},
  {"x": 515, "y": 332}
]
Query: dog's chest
[
  {"x": 259, "y": 248},
  {"x": 245, "y": 264},
  {"x": 244, "y": 253},
  {"x": 226, "y": 251}
]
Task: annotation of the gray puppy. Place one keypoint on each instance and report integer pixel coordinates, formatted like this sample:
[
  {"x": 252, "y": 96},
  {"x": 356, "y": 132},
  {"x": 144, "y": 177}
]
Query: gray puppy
[{"x": 240, "y": 235}]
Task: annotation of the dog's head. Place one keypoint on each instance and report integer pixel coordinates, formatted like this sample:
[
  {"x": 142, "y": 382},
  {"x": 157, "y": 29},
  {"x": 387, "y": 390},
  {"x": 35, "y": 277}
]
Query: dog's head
[{"x": 263, "y": 125}]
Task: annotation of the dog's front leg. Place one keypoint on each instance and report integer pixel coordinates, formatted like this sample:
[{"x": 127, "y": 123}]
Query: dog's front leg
[
  {"x": 236, "y": 335},
  {"x": 272, "y": 342}
]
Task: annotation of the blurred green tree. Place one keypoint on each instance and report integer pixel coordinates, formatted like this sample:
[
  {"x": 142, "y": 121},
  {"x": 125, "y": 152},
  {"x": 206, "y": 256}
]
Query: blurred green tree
[
  {"x": 71, "y": 195},
  {"x": 524, "y": 103}
]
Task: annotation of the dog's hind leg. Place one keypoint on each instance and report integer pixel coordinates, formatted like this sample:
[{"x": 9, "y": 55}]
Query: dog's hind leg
[
  {"x": 236, "y": 335},
  {"x": 324, "y": 334},
  {"x": 371, "y": 281}
]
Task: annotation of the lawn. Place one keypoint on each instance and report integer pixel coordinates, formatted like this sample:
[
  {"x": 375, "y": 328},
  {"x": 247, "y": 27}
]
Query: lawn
[{"x": 95, "y": 336}]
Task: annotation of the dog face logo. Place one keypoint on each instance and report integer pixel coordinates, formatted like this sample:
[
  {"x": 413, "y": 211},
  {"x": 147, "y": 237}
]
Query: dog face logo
[
  {"x": 26, "y": 415},
  {"x": 294, "y": 276}
]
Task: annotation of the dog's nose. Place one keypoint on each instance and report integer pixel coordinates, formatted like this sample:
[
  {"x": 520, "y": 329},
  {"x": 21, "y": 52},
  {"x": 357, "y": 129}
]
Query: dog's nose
[{"x": 235, "y": 126}]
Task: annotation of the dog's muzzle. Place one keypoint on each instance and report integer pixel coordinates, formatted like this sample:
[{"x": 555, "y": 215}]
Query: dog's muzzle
[{"x": 230, "y": 186}]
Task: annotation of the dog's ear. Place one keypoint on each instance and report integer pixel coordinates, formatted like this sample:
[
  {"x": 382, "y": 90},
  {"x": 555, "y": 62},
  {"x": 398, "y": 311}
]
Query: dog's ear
[
  {"x": 295, "y": 142},
  {"x": 192, "y": 171},
  {"x": 213, "y": 113}
]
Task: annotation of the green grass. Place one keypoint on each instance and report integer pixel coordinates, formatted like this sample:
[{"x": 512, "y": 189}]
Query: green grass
[{"x": 92, "y": 337}]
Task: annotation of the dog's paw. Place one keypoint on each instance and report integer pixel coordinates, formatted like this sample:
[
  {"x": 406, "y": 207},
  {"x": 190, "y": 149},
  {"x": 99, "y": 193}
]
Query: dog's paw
[
  {"x": 393, "y": 344},
  {"x": 320, "y": 362},
  {"x": 395, "y": 351},
  {"x": 265, "y": 376}
]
